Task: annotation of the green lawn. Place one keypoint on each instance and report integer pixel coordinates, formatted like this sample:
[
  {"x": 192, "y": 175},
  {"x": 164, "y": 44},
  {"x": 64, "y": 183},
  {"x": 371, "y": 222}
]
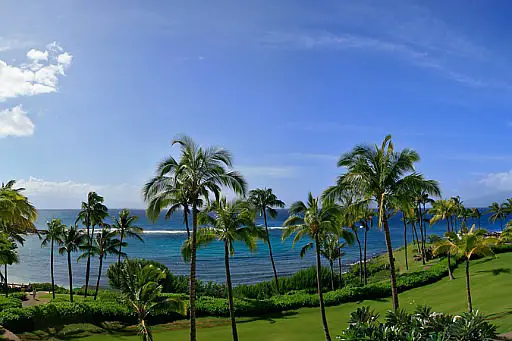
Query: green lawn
[{"x": 491, "y": 288}]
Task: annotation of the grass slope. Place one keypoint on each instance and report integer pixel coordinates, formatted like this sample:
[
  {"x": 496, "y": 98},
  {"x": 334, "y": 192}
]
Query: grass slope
[{"x": 491, "y": 287}]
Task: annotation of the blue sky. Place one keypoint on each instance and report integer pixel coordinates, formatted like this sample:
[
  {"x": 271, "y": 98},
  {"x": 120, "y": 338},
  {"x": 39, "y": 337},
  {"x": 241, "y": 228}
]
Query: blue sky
[{"x": 286, "y": 85}]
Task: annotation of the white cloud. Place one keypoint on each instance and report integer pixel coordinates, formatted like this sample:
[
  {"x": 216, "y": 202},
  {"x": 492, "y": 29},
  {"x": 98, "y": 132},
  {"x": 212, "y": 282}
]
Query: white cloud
[
  {"x": 69, "y": 194},
  {"x": 39, "y": 76},
  {"x": 37, "y": 55},
  {"x": 500, "y": 181},
  {"x": 15, "y": 122}
]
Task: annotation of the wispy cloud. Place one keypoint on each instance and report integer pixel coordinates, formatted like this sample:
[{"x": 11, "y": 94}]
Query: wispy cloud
[
  {"x": 404, "y": 31},
  {"x": 313, "y": 156},
  {"x": 268, "y": 171},
  {"x": 499, "y": 181},
  {"x": 479, "y": 157}
]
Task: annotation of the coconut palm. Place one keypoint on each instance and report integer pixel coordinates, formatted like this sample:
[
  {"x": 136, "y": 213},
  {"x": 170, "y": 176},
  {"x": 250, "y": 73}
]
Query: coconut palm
[
  {"x": 476, "y": 215},
  {"x": 341, "y": 254},
  {"x": 265, "y": 202},
  {"x": 367, "y": 215},
  {"x": 52, "y": 236},
  {"x": 200, "y": 171},
  {"x": 314, "y": 221},
  {"x": 330, "y": 250},
  {"x": 125, "y": 228},
  {"x": 8, "y": 256},
  {"x": 498, "y": 212},
  {"x": 105, "y": 243},
  {"x": 72, "y": 240},
  {"x": 507, "y": 205},
  {"x": 141, "y": 286},
  {"x": 381, "y": 173},
  {"x": 465, "y": 244},
  {"x": 443, "y": 210},
  {"x": 456, "y": 209},
  {"x": 91, "y": 215},
  {"x": 228, "y": 222},
  {"x": 422, "y": 199},
  {"x": 405, "y": 204}
]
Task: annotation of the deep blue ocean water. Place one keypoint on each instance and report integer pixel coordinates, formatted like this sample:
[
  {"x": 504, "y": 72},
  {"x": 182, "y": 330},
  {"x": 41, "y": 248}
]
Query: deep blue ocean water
[{"x": 162, "y": 242}]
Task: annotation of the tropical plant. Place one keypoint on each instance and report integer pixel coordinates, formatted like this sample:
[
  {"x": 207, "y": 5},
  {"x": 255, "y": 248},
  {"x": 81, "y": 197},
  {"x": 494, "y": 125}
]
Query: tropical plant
[
  {"x": 422, "y": 199},
  {"x": 314, "y": 221},
  {"x": 52, "y": 236},
  {"x": 381, "y": 173},
  {"x": 199, "y": 172},
  {"x": 72, "y": 240},
  {"x": 142, "y": 289},
  {"x": 330, "y": 249},
  {"x": 92, "y": 213},
  {"x": 264, "y": 201},
  {"x": 105, "y": 243},
  {"x": 465, "y": 244},
  {"x": 125, "y": 228},
  {"x": 476, "y": 215},
  {"x": 8, "y": 256},
  {"x": 227, "y": 222},
  {"x": 443, "y": 210},
  {"x": 498, "y": 212}
]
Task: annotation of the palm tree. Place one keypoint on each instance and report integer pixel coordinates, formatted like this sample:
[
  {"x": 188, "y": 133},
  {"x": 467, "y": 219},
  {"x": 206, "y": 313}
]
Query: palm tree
[
  {"x": 405, "y": 204},
  {"x": 442, "y": 210},
  {"x": 201, "y": 171},
  {"x": 264, "y": 201},
  {"x": 92, "y": 214},
  {"x": 104, "y": 244},
  {"x": 507, "y": 205},
  {"x": 53, "y": 235},
  {"x": 497, "y": 213},
  {"x": 456, "y": 209},
  {"x": 142, "y": 289},
  {"x": 228, "y": 222},
  {"x": 466, "y": 244},
  {"x": 72, "y": 240},
  {"x": 367, "y": 215},
  {"x": 477, "y": 215},
  {"x": 330, "y": 250},
  {"x": 422, "y": 199},
  {"x": 381, "y": 173},
  {"x": 8, "y": 256},
  {"x": 123, "y": 225},
  {"x": 313, "y": 221},
  {"x": 341, "y": 254}
]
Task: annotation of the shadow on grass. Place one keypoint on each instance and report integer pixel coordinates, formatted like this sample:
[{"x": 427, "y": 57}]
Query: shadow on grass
[
  {"x": 499, "y": 315},
  {"x": 271, "y": 318},
  {"x": 497, "y": 271}
]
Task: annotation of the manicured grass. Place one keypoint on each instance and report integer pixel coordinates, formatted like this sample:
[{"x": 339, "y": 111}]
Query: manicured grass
[{"x": 491, "y": 287}]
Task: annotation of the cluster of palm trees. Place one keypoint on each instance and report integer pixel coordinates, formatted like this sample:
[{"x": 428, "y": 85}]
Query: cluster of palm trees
[{"x": 109, "y": 240}]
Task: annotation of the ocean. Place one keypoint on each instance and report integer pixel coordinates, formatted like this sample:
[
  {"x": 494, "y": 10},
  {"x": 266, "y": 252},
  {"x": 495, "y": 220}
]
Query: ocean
[{"x": 162, "y": 242}]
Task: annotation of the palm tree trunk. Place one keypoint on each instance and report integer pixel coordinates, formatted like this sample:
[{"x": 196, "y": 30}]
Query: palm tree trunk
[
  {"x": 192, "y": 294},
  {"x": 420, "y": 216},
  {"x": 51, "y": 271},
  {"x": 332, "y": 274},
  {"x": 392, "y": 273},
  {"x": 319, "y": 288},
  {"x": 119, "y": 258},
  {"x": 99, "y": 276},
  {"x": 5, "y": 279},
  {"x": 360, "y": 257},
  {"x": 341, "y": 273},
  {"x": 70, "y": 278},
  {"x": 450, "y": 274},
  {"x": 185, "y": 217},
  {"x": 417, "y": 240},
  {"x": 405, "y": 242},
  {"x": 468, "y": 290},
  {"x": 88, "y": 267},
  {"x": 230, "y": 292},
  {"x": 365, "y": 272},
  {"x": 276, "y": 280}
]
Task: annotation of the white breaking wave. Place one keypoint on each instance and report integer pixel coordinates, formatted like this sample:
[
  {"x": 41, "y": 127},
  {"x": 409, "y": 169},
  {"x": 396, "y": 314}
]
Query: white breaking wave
[
  {"x": 164, "y": 232},
  {"x": 275, "y": 227}
]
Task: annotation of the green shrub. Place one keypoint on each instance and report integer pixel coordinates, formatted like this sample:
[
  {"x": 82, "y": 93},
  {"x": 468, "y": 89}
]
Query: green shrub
[{"x": 13, "y": 301}]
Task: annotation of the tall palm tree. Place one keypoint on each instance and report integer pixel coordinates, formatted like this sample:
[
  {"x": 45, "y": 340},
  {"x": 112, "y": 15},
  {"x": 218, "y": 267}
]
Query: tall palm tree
[
  {"x": 498, "y": 212},
  {"x": 422, "y": 199},
  {"x": 341, "y": 254},
  {"x": 228, "y": 222},
  {"x": 105, "y": 243},
  {"x": 264, "y": 201},
  {"x": 124, "y": 227},
  {"x": 405, "y": 204},
  {"x": 367, "y": 215},
  {"x": 313, "y": 220},
  {"x": 92, "y": 213},
  {"x": 456, "y": 209},
  {"x": 201, "y": 171},
  {"x": 72, "y": 240},
  {"x": 142, "y": 288},
  {"x": 442, "y": 210},
  {"x": 466, "y": 244},
  {"x": 477, "y": 215},
  {"x": 507, "y": 205},
  {"x": 381, "y": 173},
  {"x": 52, "y": 236},
  {"x": 8, "y": 256},
  {"x": 330, "y": 250}
]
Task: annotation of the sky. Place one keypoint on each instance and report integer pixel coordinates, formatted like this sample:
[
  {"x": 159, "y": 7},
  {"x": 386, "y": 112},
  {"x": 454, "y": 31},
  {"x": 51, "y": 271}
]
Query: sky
[{"x": 93, "y": 92}]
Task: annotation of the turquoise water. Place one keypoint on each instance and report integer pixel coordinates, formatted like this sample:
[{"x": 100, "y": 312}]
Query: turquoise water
[{"x": 162, "y": 241}]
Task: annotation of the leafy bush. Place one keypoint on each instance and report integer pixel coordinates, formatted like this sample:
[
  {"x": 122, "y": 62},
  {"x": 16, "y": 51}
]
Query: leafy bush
[
  {"x": 13, "y": 301},
  {"x": 422, "y": 325},
  {"x": 48, "y": 287}
]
